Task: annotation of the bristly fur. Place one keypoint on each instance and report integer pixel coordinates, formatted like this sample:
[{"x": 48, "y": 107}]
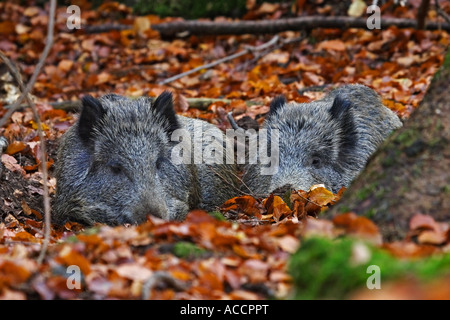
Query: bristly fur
[
  {"x": 125, "y": 171},
  {"x": 323, "y": 142}
]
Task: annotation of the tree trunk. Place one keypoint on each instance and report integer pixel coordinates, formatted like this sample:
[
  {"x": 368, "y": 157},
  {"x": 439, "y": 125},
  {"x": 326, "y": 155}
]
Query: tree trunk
[{"x": 410, "y": 173}]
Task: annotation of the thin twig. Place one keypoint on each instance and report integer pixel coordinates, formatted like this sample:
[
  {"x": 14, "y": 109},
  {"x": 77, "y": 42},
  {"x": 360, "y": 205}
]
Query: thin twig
[
  {"x": 247, "y": 49},
  {"x": 306, "y": 199},
  {"x": 280, "y": 43},
  {"x": 245, "y": 185},
  {"x": 228, "y": 182},
  {"x": 233, "y": 123},
  {"x": 26, "y": 95},
  {"x": 48, "y": 45},
  {"x": 441, "y": 12},
  {"x": 39, "y": 231},
  {"x": 205, "y": 66}
]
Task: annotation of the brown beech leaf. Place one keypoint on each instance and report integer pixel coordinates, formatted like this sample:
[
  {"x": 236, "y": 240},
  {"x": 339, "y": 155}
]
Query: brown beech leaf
[
  {"x": 422, "y": 221},
  {"x": 358, "y": 226},
  {"x": 71, "y": 257},
  {"x": 320, "y": 196},
  {"x": 247, "y": 204},
  {"x": 277, "y": 207},
  {"x": 336, "y": 45},
  {"x": 15, "y": 147}
]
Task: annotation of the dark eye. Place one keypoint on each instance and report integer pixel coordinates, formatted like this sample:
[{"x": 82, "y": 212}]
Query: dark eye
[
  {"x": 161, "y": 161},
  {"x": 316, "y": 162},
  {"x": 115, "y": 167}
]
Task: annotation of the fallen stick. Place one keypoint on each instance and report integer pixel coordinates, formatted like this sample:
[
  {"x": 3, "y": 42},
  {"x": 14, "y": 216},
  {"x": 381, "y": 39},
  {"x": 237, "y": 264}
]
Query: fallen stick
[
  {"x": 172, "y": 29},
  {"x": 198, "y": 103}
]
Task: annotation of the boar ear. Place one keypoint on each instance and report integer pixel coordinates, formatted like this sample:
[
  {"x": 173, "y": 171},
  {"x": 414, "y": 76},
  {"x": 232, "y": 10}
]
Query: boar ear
[
  {"x": 276, "y": 104},
  {"x": 164, "y": 106},
  {"x": 92, "y": 112},
  {"x": 341, "y": 111},
  {"x": 340, "y": 108}
]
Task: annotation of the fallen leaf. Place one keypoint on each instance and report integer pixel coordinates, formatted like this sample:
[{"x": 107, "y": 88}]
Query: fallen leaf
[
  {"x": 357, "y": 8},
  {"x": 277, "y": 207},
  {"x": 336, "y": 45},
  {"x": 70, "y": 257},
  {"x": 134, "y": 272},
  {"x": 15, "y": 147}
]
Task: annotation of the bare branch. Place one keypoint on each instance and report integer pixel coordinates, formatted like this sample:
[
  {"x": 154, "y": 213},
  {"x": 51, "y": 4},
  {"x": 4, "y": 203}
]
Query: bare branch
[
  {"x": 26, "y": 95},
  {"x": 441, "y": 12},
  {"x": 248, "y": 49}
]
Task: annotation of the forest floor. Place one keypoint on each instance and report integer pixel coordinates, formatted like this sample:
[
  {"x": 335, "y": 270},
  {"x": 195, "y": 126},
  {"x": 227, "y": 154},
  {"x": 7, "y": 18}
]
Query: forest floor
[{"x": 247, "y": 255}]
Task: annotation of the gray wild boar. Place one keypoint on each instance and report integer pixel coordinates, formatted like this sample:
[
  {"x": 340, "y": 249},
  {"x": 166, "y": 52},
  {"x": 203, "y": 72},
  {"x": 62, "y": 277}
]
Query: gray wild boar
[
  {"x": 323, "y": 142},
  {"x": 116, "y": 165}
]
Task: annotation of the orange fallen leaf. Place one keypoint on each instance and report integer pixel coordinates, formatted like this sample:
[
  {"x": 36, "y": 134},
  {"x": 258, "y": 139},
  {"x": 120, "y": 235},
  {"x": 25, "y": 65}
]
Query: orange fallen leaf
[
  {"x": 71, "y": 257},
  {"x": 65, "y": 65},
  {"x": 15, "y": 147},
  {"x": 12, "y": 273},
  {"x": 245, "y": 252},
  {"x": 357, "y": 225},
  {"x": 432, "y": 237},
  {"x": 277, "y": 207},
  {"x": 299, "y": 201},
  {"x": 321, "y": 196},
  {"x": 25, "y": 237},
  {"x": 404, "y": 249},
  {"x": 35, "y": 126},
  {"x": 337, "y": 45},
  {"x": 246, "y": 204}
]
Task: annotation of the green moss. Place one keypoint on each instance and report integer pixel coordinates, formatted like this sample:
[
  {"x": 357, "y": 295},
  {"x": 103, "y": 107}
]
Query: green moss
[
  {"x": 445, "y": 66},
  {"x": 190, "y": 9},
  {"x": 344, "y": 209},
  {"x": 446, "y": 189},
  {"x": 389, "y": 161},
  {"x": 71, "y": 239},
  {"x": 381, "y": 192},
  {"x": 184, "y": 249},
  {"x": 371, "y": 213},
  {"x": 217, "y": 215},
  {"x": 91, "y": 231},
  {"x": 407, "y": 137},
  {"x": 365, "y": 192},
  {"x": 327, "y": 269},
  {"x": 287, "y": 199}
]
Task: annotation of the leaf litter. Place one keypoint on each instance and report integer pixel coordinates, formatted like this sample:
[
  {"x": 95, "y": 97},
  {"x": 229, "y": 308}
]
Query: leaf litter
[{"x": 244, "y": 256}]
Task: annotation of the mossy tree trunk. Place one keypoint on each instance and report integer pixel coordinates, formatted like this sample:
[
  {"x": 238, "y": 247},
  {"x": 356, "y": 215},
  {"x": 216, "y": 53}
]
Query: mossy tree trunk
[{"x": 410, "y": 173}]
